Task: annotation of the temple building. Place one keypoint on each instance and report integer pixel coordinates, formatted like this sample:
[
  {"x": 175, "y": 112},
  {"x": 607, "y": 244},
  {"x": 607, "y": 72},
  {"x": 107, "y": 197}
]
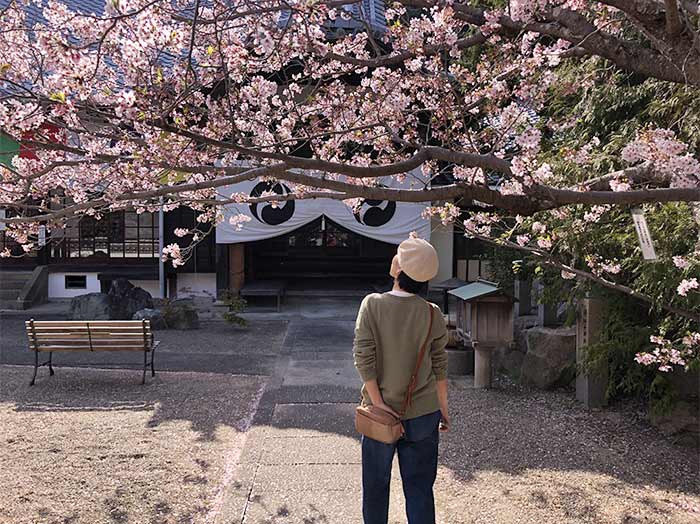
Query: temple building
[{"x": 317, "y": 245}]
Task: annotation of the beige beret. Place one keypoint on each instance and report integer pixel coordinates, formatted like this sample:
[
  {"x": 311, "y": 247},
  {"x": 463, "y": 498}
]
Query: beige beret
[{"x": 418, "y": 259}]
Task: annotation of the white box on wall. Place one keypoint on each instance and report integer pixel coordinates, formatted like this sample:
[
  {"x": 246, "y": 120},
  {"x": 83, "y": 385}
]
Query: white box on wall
[
  {"x": 196, "y": 285},
  {"x": 57, "y": 285}
]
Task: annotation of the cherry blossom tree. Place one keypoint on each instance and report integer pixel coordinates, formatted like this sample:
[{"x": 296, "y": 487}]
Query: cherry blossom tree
[{"x": 172, "y": 100}]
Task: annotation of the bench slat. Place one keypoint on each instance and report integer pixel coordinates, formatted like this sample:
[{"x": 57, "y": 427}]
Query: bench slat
[
  {"x": 85, "y": 335},
  {"x": 126, "y": 329},
  {"x": 96, "y": 323},
  {"x": 86, "y": 342},
  {"x": 84, "y": 329},
  {"x": 47, "y": 349},
  {"x": 98, "y": 335}
]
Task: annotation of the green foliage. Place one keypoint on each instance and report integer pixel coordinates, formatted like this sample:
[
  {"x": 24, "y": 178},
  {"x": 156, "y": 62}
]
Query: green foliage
[
  {"x": 236, "y": 305},
  {"x": 591, "y": 100},
  {"x": 169, "y": 310},
  {"x": 662, "y": 395},
  {"x": 505, "y": 266}
]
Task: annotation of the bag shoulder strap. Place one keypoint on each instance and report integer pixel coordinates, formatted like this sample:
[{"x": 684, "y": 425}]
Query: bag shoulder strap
[{"x": 414, "y": 377}]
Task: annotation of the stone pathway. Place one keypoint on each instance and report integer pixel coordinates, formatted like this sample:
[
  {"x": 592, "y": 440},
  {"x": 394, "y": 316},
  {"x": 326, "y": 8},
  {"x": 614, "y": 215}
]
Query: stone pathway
[{"x": 302, "y": 461}]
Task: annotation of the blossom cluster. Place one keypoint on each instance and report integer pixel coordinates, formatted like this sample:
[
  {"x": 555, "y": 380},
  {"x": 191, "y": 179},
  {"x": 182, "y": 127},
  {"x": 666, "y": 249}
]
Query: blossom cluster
[
  {"x": 668, "y": 354},
  {"x": 669, "y": 156}
]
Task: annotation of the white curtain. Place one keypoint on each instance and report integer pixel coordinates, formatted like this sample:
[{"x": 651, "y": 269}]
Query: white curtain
[{"x": 381, "y": 220}]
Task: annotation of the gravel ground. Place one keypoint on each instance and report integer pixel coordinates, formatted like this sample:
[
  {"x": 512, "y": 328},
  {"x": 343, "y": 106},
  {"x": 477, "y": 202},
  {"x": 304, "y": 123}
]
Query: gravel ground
[
  {"x": 218, "y": 337},
  {"x": 94, "y": 446},
  {"x": 519, "y": 456},
  {"x": 260, "y": 336}
]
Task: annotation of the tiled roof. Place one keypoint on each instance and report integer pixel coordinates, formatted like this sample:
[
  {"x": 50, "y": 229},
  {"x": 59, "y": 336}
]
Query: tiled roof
[
  {"x": 86, "y": 7},
  {"x": 362, "y": 14},
  {"x": 370, "y": 12}
]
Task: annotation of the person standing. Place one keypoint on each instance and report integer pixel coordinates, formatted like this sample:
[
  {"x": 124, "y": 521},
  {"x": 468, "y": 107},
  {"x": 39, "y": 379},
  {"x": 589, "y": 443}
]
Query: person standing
[{"x": 389, "y": 331}]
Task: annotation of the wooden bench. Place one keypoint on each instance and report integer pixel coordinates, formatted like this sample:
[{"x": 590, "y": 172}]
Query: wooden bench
[
  {"x": 90, "y": 335},
  {"x": 265, "y": 288}
]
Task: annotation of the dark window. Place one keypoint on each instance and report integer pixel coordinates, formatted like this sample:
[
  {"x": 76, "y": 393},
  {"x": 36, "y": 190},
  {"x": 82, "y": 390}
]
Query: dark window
[
  {"x": 76, "y": 281},
  {"x": 122, "y": 234},
  {"x": 8, "y": 243}
]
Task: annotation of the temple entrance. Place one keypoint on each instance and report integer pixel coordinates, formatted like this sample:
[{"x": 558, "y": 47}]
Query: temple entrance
[{"x": 317, "y": 252}]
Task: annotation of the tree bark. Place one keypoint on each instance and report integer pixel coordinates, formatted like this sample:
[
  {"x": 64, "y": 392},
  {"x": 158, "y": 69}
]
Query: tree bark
[{"x": 673, "y": 20}]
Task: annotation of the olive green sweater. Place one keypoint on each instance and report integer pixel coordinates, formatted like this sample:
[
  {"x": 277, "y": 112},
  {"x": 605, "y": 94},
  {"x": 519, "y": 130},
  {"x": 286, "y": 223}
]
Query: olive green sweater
[{"x": 389, "y": 333}]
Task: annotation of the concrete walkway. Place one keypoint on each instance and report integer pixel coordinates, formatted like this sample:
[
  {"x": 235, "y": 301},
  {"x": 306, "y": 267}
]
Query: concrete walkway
[{"x": 302, "y": 461}]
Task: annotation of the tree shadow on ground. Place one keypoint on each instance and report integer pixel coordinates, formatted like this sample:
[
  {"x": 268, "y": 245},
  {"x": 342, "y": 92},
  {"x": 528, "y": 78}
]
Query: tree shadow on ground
[
  {"x": 72, "y": 389},
  {"x": 510, "y": 429},
  {"x": 177, "y": 430}
]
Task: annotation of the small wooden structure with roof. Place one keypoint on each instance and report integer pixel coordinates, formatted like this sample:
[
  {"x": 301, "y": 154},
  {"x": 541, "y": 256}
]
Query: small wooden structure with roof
[{"x": 485, "y": 317}]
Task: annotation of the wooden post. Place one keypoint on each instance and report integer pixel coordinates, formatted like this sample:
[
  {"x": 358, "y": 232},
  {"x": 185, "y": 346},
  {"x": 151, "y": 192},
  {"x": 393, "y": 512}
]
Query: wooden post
[
  {"x": 236, "y": 257},
  {"x": 482, "y": 355}
]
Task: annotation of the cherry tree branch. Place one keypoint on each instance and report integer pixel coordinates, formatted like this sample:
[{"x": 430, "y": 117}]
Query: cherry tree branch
[
  {"x": 403, "y": 56},
  {"x": 677, "y": 63},
  {"x": 549, "y": 260},
  {"x": 673, "y": 19}
]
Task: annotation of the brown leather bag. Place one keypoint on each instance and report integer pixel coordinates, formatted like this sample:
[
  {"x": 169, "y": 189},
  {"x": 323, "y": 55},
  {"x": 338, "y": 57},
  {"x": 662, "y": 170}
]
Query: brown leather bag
[{"x": 377, "y": 424}]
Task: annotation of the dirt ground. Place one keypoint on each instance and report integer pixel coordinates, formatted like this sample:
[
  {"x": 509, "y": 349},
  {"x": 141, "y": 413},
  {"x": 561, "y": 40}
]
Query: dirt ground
[
  {"x": 523, "y": 456},
  {"x": 94, "y": 446}
]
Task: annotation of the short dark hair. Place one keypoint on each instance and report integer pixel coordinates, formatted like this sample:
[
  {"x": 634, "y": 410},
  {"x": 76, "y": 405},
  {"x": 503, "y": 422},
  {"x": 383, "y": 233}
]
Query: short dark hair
[{"x": 409, "y": 285}]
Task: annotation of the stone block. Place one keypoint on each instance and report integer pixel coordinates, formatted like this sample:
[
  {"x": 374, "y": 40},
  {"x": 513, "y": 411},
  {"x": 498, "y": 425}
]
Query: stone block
[
  {"x": 155, "y": 316},
  {"x": 508, "y": 360},
  {"x": 460, "y": 362},
  {"x": 550, "y": 360},
  {"x": 127, "y": 299},
  {"x": 91, "y": 306}
]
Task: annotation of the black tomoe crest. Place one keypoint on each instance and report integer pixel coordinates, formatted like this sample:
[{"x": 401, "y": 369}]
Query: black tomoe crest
[
  {"x": 371, "y": 213},
  {"x": 269, "y": 214}
]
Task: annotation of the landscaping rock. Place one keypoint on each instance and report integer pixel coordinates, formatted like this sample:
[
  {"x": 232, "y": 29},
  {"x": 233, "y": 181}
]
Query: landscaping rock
[
  {"x": 685, "y": 383},
  {"x": 155, "y": 316},
  {"x": 128, "y": 299},
  {"x": 181, "y": 314},
  {"x": 682, "y": 423},
  {"x": 91, "y": 306},
  {"x": 521, "y": 325},
  {"x": 508, "y": 360},
  {"x": 550, "y": 360}
]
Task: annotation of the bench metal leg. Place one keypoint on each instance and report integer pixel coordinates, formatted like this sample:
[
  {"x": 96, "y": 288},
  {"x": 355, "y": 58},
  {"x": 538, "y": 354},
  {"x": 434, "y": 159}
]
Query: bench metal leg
[
  {"x": 50, "y": 366},
  {"x": 145, "y": 365},
  {"x": 36, "y": 367},
  {"x": 153, "y": 354}
]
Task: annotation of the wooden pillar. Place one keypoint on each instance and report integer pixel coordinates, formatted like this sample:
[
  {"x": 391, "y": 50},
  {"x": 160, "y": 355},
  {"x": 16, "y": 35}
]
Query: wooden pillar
[{"x": 236, "y": 258}]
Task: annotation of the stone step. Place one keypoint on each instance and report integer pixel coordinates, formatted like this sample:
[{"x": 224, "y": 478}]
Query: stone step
[
  {"x": 8, "y": 275},
  {"x": 9, "y": 294},
  {"x": 11, "y": 304},
  {"x": 15, "y": 287},
  {"x": 13, "y": 281}
]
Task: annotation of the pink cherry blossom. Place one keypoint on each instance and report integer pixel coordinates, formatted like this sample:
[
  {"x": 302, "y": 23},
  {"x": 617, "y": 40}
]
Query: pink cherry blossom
[
  {"x": 687, "y": 285},
  {"x": 681, "y": 262}
]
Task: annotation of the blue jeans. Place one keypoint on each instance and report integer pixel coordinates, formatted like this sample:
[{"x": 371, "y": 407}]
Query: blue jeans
[{"x": 418, "y": 454}]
